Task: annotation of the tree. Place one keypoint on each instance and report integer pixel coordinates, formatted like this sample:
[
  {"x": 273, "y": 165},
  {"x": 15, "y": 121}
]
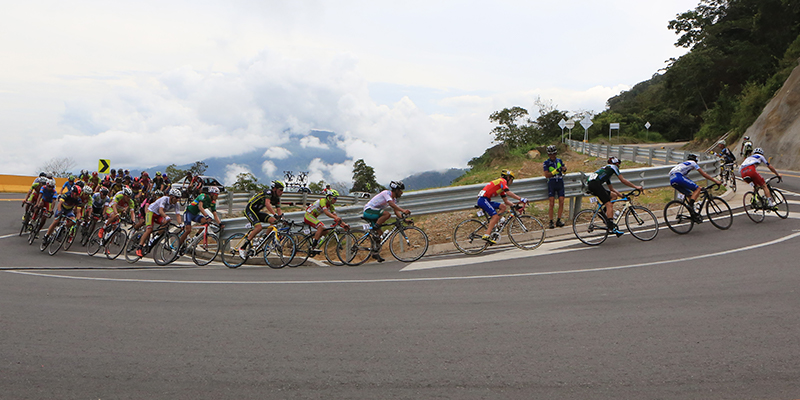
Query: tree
[
  {"x": 60, "y": 167},
  {"x": 246, "y": 182},
  {"x": 316, "y": 187},
  {"x": 364, "y": 178},
  {"x": 175, "y": 174},
  {"x": 510, "y": 132},
  {"x": 198, "y": 168}
]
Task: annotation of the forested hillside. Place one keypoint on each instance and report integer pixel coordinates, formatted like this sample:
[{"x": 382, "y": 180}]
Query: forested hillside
[{"x": 741, "y": 53}]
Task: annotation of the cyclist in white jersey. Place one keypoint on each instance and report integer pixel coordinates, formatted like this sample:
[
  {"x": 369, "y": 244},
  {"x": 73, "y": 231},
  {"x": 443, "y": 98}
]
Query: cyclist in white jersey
[
  {"x": 748, "y": 172},
  {"x": 679, "y": 180}
]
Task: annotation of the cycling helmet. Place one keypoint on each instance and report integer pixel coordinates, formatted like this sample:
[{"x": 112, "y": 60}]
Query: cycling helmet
[
  {"x": 507, "y": 174},
  {"x": 614, "y": 160},
  {"x": 213, "y": 190},
  {"x": 49, "y": 175},
  {"x": 75, "y": 190},
  {"x": 747, "y": 138},
  {"x": 552, "y": 149},
  {"x": 94, "y": 173},
  {"x": 80, "y": 183},
  {"x": 758, "y": 150},
  {"x": 278, "y": 184},
  {"x": 72, "y": 178},
  {"x": 113, "y": 171},
  {"x": 175, "y": 192},
  {"x": 158, "y": 193},
  {"x": 126, "y": 191},
  {"x": 118, "y": 179},
  {"x": 333, "y": 192},
  {"x": 88, "y": 190},
  {"x": 127, "y": 172},
  {"x": 104, "y": 191},
  {"x": 144, "y": 174},
  {"x": 721, "y": 142},
  {"x": 397, "y": 185},
  {"x": 692, "y": 157},
  {"x": 42, "y": 175},
  {"x": 158, "y": 173},
  {"x": 51, "y": 182}
]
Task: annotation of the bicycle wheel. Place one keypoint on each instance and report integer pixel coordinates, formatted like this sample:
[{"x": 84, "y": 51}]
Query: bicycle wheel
[
  {"x": 590, "y": 227},
  {"x": 115, "y": 244},
  {"x": 526, "y": 232},
  {"x": 781, "y": 206},
  {"x": 34, "y": 233},
  {"x": 86, "y": 232},
  {"x": 408, "y": 244},
  {"x": 332, "y": 245},
  {"x": 719, "y": 213},
  {"x": 57, "y": 241},
  {"x": 303, "y": 250},
  {"x": 130, "y": 246},
  {"x": 94, "y": 243},
  {"x": 70, "y": 237},
  {"x": 279, "y": 250},
  {"x": 678, "y": 217},
  {"x": 205, "y": 250},
  {"x": 165, "y": 249},
  {"x": 753, "y": 208},
  {"x": 467, "y": 236},
  {"x": 230, "y": 251},
  {"x": 26, "y": 219},
  {"x": 355, "y": 247},
  {"x": 732, "y": 181},
  {"x": 641, "y": 223}
]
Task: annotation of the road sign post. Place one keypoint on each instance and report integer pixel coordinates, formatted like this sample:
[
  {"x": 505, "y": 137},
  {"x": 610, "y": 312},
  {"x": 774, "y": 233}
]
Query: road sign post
[{"x": 586, "y": 122}]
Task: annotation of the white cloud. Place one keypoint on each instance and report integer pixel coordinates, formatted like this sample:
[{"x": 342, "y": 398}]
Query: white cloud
[
  {"x": 313, "y": 142},
  {"x": 277, "y": 153},
  {"x": 232, "y": 171},
  {"x": 268, "y": 168}
]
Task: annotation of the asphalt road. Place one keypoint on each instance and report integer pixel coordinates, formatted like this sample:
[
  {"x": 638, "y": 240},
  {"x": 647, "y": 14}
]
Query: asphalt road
[{"x": 711, "y": 315}]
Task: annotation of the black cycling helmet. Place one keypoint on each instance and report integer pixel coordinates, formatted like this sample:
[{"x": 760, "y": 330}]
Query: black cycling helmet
[
  {"x": 277, "y": 184},
  {"x": 397, "y": 185},
  {"x": 692, "y": 157},
  {"x": 552, "y": 149}
]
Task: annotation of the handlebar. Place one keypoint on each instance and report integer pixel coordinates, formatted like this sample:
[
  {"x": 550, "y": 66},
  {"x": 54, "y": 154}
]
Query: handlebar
[
  {"x": 779, "y": 178},
  {"x": 633, "y": 193}
]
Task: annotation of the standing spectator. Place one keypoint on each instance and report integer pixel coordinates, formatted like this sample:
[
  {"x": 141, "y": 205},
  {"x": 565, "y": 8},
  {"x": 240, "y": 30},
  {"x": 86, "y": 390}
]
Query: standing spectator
[{"x": 554, "y": 170}]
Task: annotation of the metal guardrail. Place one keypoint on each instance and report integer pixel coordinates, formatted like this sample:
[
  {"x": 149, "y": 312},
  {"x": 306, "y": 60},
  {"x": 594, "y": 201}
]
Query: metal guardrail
[
  {"x": 635, "y": 153},
  {"x": 434, "y": 201},
  {"x": 234, "y": 202}
]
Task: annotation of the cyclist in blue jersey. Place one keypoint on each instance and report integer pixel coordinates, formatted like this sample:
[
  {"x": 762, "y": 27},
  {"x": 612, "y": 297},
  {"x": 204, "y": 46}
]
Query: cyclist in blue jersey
[
  {"x": 554, "y": 170},
  {"x": 679, "y": 180}
]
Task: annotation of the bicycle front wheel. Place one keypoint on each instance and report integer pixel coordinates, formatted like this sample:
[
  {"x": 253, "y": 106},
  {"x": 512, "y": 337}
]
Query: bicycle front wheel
[
  {"x": 26, "y": 219},
  {"x": 332, "y": 244},
  {"x": 116, "y": 244},
  {"x": 355, "y": 247},
  {"x": 641, "y": 223},
  {"x": 467, "y": 237},
  {"x": 279, "y": 250},
  {"x": 303, "y": 251},
  {"x": 590, "y": 227},
  {"x": 230, "y": 251},
  {"x": 678, "y": 217},
  {"x": 732, "y": 182},
  {"x": 205, "y": 250},
  {"x": 781, "y": 206},
  {"x": 36, "y": 226},
  {"x": 753, "y": 207},
  {"x": 59, "y": 237},
  {"x": 526, "y": 232},
  {"x": 94, "y": 243},
  {"x": 166, "y": 249},
  {"x": 131, "y": 245},
  {"x": 719, "y": 213},
  {"x": 408, "y": 244}
]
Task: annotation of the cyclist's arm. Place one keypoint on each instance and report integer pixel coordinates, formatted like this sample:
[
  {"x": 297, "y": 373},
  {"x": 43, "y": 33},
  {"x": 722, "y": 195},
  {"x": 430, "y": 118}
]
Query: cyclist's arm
[
  {"x": 272, "y": 211},
  {"x": 510, "y": 194},
  {"x": 397, "y": 209},
  {"x": 771, "y": 168},
  {"x": 627, "y": 183},
  {"x": 331, "y": 215},
  {"x": 707, "y": 176}
]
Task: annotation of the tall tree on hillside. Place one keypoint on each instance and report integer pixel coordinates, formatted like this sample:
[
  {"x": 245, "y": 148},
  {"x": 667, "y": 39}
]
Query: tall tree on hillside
[
  {"x": 364, "y": 178},
  {"x": 509, "y": 131}
]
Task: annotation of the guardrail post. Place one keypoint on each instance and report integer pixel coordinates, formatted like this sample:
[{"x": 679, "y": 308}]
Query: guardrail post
[
  {"x": 230, "y": 203},
  {"x": 619, "y": 152},
  {"x": 635, "y": 150},
  {"x": 574, "y": 206},
  {"x": 667, "y": 159},
  {"x": 305, "y": 199},
  {"x": 650, "y": 156},
  {"x": 608, "y": 151}
]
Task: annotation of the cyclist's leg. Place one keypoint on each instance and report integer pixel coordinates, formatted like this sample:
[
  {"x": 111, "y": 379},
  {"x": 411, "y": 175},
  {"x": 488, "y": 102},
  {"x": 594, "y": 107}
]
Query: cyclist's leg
[{"x": 490, "y": 208}]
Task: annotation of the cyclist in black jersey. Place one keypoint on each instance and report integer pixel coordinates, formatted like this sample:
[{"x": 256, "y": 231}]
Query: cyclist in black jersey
[
  {"x": 269, "y": 199},
  {"x": 595, "y": 187}
]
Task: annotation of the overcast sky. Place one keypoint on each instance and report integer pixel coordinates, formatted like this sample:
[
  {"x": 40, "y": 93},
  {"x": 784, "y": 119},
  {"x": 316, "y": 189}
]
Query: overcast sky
[{"x": 407, "y": 86}]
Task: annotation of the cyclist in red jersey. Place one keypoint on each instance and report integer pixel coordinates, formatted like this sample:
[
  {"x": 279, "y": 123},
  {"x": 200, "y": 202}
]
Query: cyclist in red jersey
[{"x": 495, "y": 187}]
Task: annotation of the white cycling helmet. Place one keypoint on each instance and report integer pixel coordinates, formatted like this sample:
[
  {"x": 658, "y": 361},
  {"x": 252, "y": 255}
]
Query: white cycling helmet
[
  {"x": 88, "y": 190},
  {"x": 126, "y": 191},
  {"x": 213, "y": 189},
  {"x": 175, "y": 192},
  {"x": 758, "y": 150}
]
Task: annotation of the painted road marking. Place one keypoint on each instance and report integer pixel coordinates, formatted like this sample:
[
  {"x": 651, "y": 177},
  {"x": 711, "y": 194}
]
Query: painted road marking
[{"x": 430, "y": 279}]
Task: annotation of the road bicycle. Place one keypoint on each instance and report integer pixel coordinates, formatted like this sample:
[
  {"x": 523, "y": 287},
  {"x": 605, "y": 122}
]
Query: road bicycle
[
  {"x": 756, "y": 205},
  {"x": 204, "y": 245},
  {"x": 62, "y": 236},
  {"x": 727, "y": 176},
  {"x": 407, "y": 243},
  {"x": 37, "y": 223},
  {"x": 156, "y": 240},
  {"x": 524, "y": 231},
  {"x": 278, "y": 248},
  {"x": 680, "y": 216},
  {"x": 112, "y": 241},
  {"x": 27, "y": 217},
  {"x": 591, "y": 225},
  {"x": 87, "y": 227},
  {"x": 330, "y": 240}
]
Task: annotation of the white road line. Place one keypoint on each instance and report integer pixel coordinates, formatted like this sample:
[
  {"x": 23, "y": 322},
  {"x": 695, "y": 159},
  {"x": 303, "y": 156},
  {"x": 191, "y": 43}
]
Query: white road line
[{"x": 446, "y": 278}]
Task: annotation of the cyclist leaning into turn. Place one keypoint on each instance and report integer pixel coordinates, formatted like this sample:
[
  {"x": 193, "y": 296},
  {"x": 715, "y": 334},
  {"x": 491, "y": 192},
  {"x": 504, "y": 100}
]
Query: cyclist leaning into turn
[
  {"x": 122, "y": 202},
  {"x": 322, "y": 206},
  {"x": 375, "y": 209},
  {"x": 268, "y": 199},
  {"x": 681, "y": 183},
  {"x": 66, "y": 205},
  {"x": 492, "y": 208},
  {"x": 595, "y": 186},
  {"x": 748, "y": 170},
  {"x": 157, "y": 215},
  {"x": 201, "y": 210}
]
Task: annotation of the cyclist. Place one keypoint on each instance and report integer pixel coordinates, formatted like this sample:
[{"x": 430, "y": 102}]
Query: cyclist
[
  {"x": 322, "y": 206},
  {"x": 269, "y": 199},
  {"x": 33, "y": 193},
  {"x": 46, "y": 196},
  {"x": 122, "y": 202},
  {"x": 86, "y": 203},
  {"x": 201, "y": 210},
  {"x": 68, "y": 184},
  {"x": 679, "y": 180},
  {"x": 748, "y": 170},
  {"x": 374, "y": 210},
  {"x": 147, "y": 184},
  {"x": 157, "y": 214},
  {"x": 595, "y": 186},
  {"x": 66, "y": 205},
  {"x": 746, "y": 148},
  {"x": 94, "y": 181},
  {"x": 725, "y": 153},
  {"x": 99, "y": 201},
  {"x": 492, "y": 208},
  {"x": 554, "y": 170},
  {"x": 158, "y": 182}
]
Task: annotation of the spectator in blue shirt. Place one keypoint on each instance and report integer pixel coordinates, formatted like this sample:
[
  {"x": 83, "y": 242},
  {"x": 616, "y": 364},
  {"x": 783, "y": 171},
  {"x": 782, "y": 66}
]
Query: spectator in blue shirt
[{"x": 554, "y": 170}]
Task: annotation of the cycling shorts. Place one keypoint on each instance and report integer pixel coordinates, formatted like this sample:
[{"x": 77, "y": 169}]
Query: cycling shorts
[
  {"x": 750, "y": 172},
  {"x": 682, "y": 184},
  {"x": 311, "y": 220},
  {"x": 596, "y": 188},
  {"x": 488, "y": 206},
  {"x": 555, "y": 187},
  {"x": 188, "y": 218},
  {"x": 255, "y": 217},
  {"x": 67, "y": 213},
  {"x": 372, "y": 214},
  {"x": 151, "y": 218}
]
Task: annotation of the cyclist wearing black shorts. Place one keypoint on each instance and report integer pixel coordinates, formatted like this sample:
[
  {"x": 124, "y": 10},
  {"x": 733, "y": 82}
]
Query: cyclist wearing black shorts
[
  {"x": 595, "y": 186},
  {"x": 269, "y": 199}
]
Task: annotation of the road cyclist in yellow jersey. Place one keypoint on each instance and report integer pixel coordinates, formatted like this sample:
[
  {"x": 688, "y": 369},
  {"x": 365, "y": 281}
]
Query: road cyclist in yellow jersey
[
  {"x": 122, "y": 202},
  {"x": 493, "y": 209},
  {"x": 156, "y": 214},
  {"x": 319, "y": 207}
]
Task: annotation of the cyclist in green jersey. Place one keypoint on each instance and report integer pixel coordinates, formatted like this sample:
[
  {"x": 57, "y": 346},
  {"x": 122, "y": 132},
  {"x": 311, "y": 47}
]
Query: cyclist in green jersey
[{"x": 201, "y": 210}]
